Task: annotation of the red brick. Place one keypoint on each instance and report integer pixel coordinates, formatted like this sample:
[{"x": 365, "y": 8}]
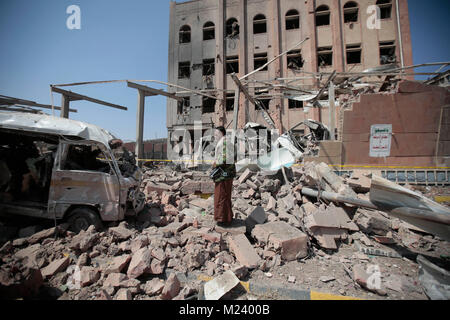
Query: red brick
[
  {"x": 171, "y": 287},
  {"x": 243, "y": 251},
  {"x": 158, "y": 187},
  {"x": 118, "y": 264},
  {"x": 55, "y": 267},
  {"x": 140, "y": 263},
  {"x": 279, "y": 234}
]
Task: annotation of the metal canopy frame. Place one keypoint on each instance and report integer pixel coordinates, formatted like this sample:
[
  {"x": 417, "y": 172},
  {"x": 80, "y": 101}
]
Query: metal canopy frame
[
  {"x": 67, "y": 96},
  {"x": 144, "y": 91},
  {"x": 11, "y": 101}
]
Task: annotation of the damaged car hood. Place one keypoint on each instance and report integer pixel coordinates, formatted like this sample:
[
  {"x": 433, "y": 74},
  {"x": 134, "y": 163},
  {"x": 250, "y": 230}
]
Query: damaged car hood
[{"x": 54, "y": 125}]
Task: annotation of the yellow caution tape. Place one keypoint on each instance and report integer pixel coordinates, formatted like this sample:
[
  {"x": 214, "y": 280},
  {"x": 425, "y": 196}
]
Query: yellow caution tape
[
  {"x": 442, "y": 198},
  {"x": 327, "y": 296}
]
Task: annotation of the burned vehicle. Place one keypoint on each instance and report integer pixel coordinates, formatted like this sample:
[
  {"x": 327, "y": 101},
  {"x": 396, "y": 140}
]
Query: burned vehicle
[{"x": 56, "y": 168}]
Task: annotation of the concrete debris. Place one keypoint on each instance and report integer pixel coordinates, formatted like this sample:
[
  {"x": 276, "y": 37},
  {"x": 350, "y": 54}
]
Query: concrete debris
[
  {"x": 114, "y": 280},
  {"x": 88, "y": 276},
  {"x": 171, "y": 287},
  {"x": 280, "y": 235},
  {"x": 280, "y": 231},
  {"x": 219, "y": 286},
  {"x": 372, "y": 222},
  {"x": 329, "y": 225},
  {"x": 123, "y": 294},
  {"x": 327, "y": 278},
  {"x": 243, "y": 251},
  {"x": 359, "y": 181},
  {"x": 244, "y": 176},
  {"x": 118, "y": 264},
  {"x": 153, "y": 287},
  {"x": 55, "y": 267},
  {"x": 140, "y": 263}
]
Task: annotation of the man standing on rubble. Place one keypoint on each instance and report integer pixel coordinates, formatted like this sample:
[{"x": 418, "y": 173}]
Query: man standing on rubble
[{"x": 224, "y": 159}]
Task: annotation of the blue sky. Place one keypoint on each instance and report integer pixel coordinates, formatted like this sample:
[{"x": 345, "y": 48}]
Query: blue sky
[{"x": 129, "y": 40}]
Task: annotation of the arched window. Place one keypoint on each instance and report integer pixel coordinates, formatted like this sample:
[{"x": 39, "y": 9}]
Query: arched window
[
  {"x": 232, "y": 27},
  {"x": 259, "y": 24},
  {"x": 385, "y": 8},
  {"x": 185, "y": 34},
  {"x": 322, "y": 16},
  {"x": 292, "y": 20},
  {"x": 209, "y": 31},
  {"x": 350, "y": 12}
]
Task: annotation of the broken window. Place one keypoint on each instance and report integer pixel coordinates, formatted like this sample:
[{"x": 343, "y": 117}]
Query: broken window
[
  {"x": 350, "y": 12},
  {"x": 230, "y": 102},
  {"x": 295, "y": 104},
  {"x": 259, "y": 24},
  {"x": 292, "y": 20},
  {"x": 85, "y": 157},
  {"x": 353, "y": 54},
  {"x": 26, "y": 165},
  {"x": 264, "y": 102},
  {"x": 294, "y": 60},
  {"x": 184, "y": 70},
  {"x": 262, "y": 95},
  {"x": 209, "y": 31},
  {"x": 185, "y": 34},
  {"x": 208, "y": 67},
  {"x": 387, "y": 52},
  {"x": 324, "y": 56},
  {"x": 385, "y": 8},
  {"x": 208, "y": 105},
  {"x": 232, "y": 28},
  {"x": 232, "y": 64},
  {"x": 260, "y": 59},
  {"x": 182, "y": 105},
  {"x": 322, "y": 16}
]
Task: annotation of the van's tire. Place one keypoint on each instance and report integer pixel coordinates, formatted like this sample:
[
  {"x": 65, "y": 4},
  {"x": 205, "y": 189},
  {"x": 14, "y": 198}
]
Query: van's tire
[{"x": 81, "y": 218}]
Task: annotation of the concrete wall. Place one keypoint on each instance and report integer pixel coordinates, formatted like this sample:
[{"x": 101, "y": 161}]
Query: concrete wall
[
  {"x": 420, "y": 119},
  {"x": 153, "y": 149}
]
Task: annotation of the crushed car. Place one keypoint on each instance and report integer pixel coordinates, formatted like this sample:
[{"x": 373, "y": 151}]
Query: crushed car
[{"x": 62, "y": 169}]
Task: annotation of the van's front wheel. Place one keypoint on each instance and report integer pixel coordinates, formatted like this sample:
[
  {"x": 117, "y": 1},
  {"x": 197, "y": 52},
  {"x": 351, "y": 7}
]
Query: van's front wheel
[{"x": 81, "y": 218}]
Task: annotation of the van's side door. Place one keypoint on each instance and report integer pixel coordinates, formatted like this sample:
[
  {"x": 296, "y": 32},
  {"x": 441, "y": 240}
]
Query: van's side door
[{"x": 84, "y": 175}]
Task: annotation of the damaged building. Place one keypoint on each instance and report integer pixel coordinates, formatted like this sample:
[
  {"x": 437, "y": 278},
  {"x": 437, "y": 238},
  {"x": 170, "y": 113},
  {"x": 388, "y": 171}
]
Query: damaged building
[
  {"x": 210, "y": 40},
  {"x": 322, "y": 219}
]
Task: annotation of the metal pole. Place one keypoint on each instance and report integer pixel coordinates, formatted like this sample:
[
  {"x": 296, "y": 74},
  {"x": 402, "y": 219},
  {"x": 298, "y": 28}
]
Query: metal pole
[
  {"x": 332, "y": 110},
  {"x": 140, "y": 125},
  {"x": 65, "y": 103},
  {"x": 400, "y": 42},
  {"x": 237, "y": 93}
]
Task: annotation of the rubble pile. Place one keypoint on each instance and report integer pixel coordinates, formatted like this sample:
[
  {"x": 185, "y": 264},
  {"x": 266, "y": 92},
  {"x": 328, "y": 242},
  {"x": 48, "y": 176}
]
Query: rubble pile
[{"x": 278, "y": 234}]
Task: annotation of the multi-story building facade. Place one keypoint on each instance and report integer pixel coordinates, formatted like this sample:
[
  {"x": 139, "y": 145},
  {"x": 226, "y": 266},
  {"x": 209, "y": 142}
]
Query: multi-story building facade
[{"x": 210, "y": 39}]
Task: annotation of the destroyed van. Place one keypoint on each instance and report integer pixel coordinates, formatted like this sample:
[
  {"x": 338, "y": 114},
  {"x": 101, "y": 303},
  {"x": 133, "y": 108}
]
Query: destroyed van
[{"x": 66, "y": 170}]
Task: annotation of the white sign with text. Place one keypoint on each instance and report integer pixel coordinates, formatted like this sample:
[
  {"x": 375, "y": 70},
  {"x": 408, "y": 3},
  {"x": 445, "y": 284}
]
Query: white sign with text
[{"x": 380, "y": 140}]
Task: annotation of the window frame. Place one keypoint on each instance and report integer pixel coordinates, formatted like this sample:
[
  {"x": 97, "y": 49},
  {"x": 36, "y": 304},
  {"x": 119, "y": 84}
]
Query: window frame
[
  {"x": 261, "y": 21},
  {"x": 325, "y": 12},
  {"x": 184, "y": 32},
  {"x": 292, "y": 15},
  {"x": 209, "y": 28},
  {"x": 350, "y": 10}
]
